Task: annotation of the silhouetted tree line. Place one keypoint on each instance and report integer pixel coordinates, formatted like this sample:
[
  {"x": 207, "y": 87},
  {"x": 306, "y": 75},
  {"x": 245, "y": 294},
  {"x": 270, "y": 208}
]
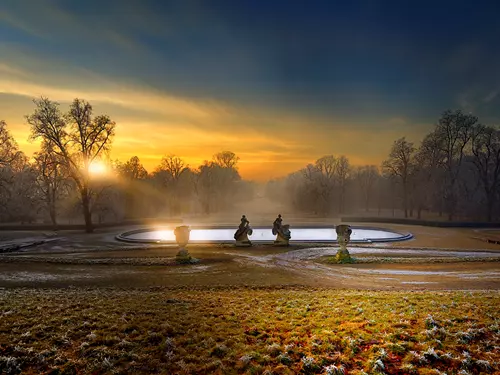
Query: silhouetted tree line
[
  {"x": 454, "y": 172},
  {"x": 58, "y": 182}
]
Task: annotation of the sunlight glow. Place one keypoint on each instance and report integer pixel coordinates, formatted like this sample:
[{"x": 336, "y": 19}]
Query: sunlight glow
[{"x": 97, "y": 168}]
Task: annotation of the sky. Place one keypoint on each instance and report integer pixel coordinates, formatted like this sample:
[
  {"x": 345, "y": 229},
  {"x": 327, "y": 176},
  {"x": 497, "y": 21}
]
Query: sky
[{"x": 279, "y": 82}]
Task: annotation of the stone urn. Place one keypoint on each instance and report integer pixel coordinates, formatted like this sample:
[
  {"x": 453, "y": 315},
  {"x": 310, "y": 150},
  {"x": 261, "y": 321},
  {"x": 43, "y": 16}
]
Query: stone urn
[
  {"x": 182, "y": 238},
  {"x": 344, "y": 232}
]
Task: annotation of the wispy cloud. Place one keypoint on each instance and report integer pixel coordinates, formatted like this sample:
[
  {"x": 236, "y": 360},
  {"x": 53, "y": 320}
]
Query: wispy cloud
[
  {"x": 195, "y": 130},
  {"x": 491, "y": 96}
]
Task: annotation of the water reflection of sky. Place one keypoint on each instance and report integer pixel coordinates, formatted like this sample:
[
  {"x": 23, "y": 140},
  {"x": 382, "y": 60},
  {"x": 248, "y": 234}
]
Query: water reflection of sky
[{"x": 265, "y": 234}]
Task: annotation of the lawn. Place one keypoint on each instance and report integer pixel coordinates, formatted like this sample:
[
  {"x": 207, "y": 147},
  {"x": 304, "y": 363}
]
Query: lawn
[{"x": 248, "y": 331}]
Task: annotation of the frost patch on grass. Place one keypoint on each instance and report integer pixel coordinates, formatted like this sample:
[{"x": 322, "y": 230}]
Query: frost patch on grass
[
  {"x": 42, "y": 276},
  {"x": 312, "y": 253},
  {"x": 193, "y": 269}
]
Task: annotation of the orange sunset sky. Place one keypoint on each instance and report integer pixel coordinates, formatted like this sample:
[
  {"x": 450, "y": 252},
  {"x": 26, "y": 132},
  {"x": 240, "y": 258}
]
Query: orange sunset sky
[{"x": 280, "y": 87}]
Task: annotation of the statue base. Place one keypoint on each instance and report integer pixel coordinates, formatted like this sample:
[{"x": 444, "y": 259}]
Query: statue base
[
  {"x": 343, "y": 256},
  {"x": 243, "y": 243},
  {"x": 281, "y": 243},
  {"x": 184, "y": 257},
  {"x": 282, "y": 240}
]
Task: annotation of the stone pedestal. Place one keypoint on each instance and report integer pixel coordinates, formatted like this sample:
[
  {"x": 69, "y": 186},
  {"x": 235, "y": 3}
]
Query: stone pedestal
[
  {"x": 283, "y": 236},
  {"x": 182, "y": 239},
  {"x": 242, "y": 239},
  {"x": 247, "y": 243},
  {"x": 343, "y": 238},
  {"x": 183, "y": 256}
]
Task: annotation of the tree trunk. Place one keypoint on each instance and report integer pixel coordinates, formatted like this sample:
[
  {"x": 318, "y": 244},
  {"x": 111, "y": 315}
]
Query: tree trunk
[
  {"x": 87, "y": 215},
  {"x": 490, "y": 204},
  {"x": 411, "y": 207},
  {"x": 51, "y": 203},
  {"x": 52, "y": 213}
]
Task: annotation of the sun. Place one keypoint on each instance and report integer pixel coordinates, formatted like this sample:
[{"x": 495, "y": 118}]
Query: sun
[{"x": 97, "y": 168}]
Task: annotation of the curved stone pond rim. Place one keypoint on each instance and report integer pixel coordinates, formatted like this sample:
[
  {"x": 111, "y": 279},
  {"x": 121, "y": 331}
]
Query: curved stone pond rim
[{"x": 223, "y": 234}]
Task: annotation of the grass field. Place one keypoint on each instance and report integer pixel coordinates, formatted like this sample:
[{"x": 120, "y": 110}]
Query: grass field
[{"x": 248, "y": 331}]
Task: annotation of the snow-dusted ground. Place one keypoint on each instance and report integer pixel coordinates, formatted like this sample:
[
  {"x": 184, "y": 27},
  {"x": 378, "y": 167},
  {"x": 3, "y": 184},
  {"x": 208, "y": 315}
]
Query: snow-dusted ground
[
  {"x": 259, "y": 264},
  {"x": 316, "y": 252}
]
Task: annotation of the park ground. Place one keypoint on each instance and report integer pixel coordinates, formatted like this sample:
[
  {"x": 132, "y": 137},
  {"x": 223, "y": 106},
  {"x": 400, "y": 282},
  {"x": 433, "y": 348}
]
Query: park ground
[{"x": 89, "y": 304}]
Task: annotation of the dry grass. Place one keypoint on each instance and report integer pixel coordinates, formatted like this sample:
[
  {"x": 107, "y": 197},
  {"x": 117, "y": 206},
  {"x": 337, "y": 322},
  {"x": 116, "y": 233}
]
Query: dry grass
[{"x": 248, "y": 331}]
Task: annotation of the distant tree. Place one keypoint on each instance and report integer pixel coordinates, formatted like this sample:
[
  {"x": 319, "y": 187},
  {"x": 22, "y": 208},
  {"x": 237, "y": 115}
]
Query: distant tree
[
  {"x": 205, "y": 185},
  {"x": 12, "y": 164},
  {"x": 173, "y": 166},
  {"x": 78, "y": 138},
  {"x": 132, "y": 169},
  {"x": 215, "y": 186},
  {"x": 428, "y": 188},
  {"x": 226, "y": 159},
  {"x": 486, "y": 159},
  {"x": 22, "y": 200},
  {"x": 322, "y": 175},
  {"x": 343, "y": 170},
  {"x": 133, "y": 180},
  {"x": 167, "y": 176},
  {"x": 400, "y": 165},
  {"x": 309, "y": 191},
  {"x": 367, "y": 177},
  {"x": 453, "y": 133},
  {"x": 51, "y": 179},
  {"x": 8, "y": 146},
  {"x": 9, "y": 152}
]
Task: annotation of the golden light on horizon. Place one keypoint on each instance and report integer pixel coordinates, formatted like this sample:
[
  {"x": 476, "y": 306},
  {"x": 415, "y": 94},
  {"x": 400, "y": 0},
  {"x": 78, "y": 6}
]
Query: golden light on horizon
[{"x": 98, "y": 168}]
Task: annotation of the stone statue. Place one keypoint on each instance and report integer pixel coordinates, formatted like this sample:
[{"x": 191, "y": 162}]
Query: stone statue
[
  {"x": 282, "y": 232},
  {"x": 182, "y": 239},
  {"x": 344, "y": 232},
  {"x": 277, "y": 224},
  {"x": 242, "y": 233}
]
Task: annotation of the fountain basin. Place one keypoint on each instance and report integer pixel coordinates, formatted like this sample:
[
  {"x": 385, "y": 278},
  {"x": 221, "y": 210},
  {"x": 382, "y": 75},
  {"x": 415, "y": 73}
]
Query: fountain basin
[{"x": 316, "y": 234}]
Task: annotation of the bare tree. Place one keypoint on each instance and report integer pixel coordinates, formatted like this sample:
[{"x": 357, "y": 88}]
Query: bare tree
[
  {"x": 168, "y": 175},
  {"x": 216, "y": 186},
  {"x": 486, "y": 159},
  {"x": 453, "y": 132},
  {"x": 132, "y": 169},
  {"x": 9, "y": 155},
  {"x": 367, "y": 176},
  {"x": 342, "y": 171},
  {"x": 133, "y": 184},
  {"x": 77, "y": 137},
  {"x": 226, "y": 159},
  {"x": 173, "y": 166},
  {"x": 20, "y": 196},
  {"x": 8, "y": 146},
  {"x": 205, "y": 185},
  {"x": 327, "y": 166},
  {"x": 399, "y": 165},
  {"x": 51, "y": 179},
  {"x": 427, "y": 176},
  {"x": 320, "y": 179}
]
